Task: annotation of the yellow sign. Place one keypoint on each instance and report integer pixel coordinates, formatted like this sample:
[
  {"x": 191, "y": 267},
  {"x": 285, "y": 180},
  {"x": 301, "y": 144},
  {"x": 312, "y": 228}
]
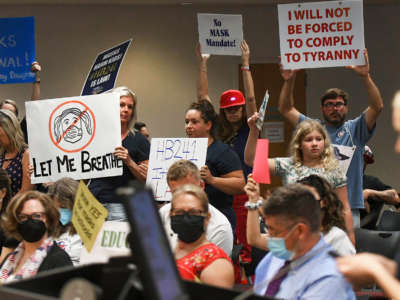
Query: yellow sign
[{"x": 88, "y": 216}]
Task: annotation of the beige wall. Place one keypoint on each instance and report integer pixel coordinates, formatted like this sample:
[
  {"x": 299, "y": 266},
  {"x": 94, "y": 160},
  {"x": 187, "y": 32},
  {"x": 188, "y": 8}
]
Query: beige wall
[{"x": 161, "y": 67}]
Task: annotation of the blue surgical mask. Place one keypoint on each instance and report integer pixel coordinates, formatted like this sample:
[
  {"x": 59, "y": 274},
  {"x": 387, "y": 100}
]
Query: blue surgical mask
[
  {"x": 65, "y": 216},
  {"x": 277, "y": 247}
]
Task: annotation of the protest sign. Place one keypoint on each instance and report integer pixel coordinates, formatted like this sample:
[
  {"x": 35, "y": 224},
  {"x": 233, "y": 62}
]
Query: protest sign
[
  {"x": 164, "y": 152},
  {"x": 88, "y": 216},
  {"x": 220, "y": 34},
  {"x": 74, "y": 137},
  {"x": 17, "y": 49},
  {"x": 111, "y": 241},
  {"x": 321, "y": 34},
  {"x": 104, "y": 71}
]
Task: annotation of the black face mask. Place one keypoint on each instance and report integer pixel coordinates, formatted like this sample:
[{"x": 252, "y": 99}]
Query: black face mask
[
  {"x": 189, "y": 228},
  {"x": 32, "y": 230}
]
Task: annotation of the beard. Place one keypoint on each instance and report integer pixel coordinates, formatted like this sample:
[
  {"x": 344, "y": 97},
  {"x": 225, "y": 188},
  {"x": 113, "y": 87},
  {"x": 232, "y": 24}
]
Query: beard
[{"x": 338, "y": 121}]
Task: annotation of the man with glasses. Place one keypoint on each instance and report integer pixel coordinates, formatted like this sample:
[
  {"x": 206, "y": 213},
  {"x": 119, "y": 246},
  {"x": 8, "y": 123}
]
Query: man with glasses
[
  {"x": 219, "y": 230},
  {"x": 300, "y": 264},
  {"x": 351, "y": 134}
]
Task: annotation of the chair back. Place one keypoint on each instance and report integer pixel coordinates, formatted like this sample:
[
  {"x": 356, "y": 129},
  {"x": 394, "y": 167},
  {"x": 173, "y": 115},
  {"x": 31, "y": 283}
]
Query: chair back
[
  {"x": 385, "y": 243},
  {"x": 390, "y": 221}
]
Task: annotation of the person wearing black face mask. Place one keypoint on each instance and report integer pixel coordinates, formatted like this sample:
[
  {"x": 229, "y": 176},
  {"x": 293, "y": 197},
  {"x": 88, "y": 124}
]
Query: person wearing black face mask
[
  {"x": 197, "y": 258},
  {"x": 32, "y": 218}
]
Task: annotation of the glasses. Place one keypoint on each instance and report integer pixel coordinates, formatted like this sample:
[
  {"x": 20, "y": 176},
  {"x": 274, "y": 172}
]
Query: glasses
[
  {"x": 195, "y": 212},
  {"x": 34, "y": 216},
  {"x": 331, "y": 105}
]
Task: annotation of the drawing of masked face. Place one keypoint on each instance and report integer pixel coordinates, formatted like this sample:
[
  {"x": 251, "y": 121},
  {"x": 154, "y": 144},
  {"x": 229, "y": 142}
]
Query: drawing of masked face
[{"x": 71, "y": 128}]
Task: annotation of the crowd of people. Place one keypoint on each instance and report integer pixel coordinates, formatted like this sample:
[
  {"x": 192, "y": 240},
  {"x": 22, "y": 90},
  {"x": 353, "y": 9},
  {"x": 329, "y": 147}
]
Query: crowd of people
[{"x": 301, "y": 226}]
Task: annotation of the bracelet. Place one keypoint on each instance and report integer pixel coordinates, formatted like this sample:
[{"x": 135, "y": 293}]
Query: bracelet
[
  {"x": 253, "y": 205},
  {"x": 37, "y": 81},
  {"x": 245, "y": 68}
]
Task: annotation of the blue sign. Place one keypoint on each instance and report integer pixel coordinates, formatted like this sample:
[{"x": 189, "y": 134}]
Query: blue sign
[
  {"x": 103, "y": 74},
  {"x": 17, "y": 49}
]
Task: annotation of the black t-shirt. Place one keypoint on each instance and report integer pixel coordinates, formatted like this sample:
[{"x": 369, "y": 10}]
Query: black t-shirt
[
  {"x": 220, "y": 160},
  {"x": 104, "y": 188},
  {"x": 238, "y": 144}
]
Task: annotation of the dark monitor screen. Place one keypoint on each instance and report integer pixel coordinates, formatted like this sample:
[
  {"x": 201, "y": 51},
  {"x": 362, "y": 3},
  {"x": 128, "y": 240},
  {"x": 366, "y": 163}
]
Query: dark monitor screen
[{"x": 150, "y": 248}]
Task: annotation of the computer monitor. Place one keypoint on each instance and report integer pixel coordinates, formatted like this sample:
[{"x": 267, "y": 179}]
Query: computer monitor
[{"x": 150, "y": 248}]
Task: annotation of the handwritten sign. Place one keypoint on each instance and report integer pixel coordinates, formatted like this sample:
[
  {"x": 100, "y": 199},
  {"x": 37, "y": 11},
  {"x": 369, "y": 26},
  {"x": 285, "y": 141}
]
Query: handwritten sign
[
  {"x": 74, "y": 137},
  {"x": 321, "y": 34},
  {"x": 220, "y": 34},
  {"x": 88, "y": 216},
  {"x": 104, "y": 71},
  {"x": 17, "y": 49},
  {"x": 164, "y": 152},
  {"x": 110, "y": 241}
]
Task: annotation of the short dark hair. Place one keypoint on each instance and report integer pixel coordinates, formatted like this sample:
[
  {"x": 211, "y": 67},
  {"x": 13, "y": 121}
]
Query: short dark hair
[
  {"x": 207, "y": 113},
  {"x": 334, "y": 93},
  {"x": 139, "y": 125},
  {"x": 296, "y": 203}
]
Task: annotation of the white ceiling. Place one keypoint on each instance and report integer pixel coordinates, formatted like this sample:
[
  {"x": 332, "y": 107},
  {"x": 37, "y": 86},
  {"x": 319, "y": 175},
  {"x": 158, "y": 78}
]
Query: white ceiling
[{"x": 171, "y": 2}]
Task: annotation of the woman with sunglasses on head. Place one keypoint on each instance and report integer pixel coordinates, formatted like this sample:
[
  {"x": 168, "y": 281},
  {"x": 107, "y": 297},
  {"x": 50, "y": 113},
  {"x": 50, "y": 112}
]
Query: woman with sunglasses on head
[
  {"x": 14, "y": 153},
  {"x": 197, "y": 259},
  {"x": 32, "y": 218},
  {"x": 311, "y": 153}
]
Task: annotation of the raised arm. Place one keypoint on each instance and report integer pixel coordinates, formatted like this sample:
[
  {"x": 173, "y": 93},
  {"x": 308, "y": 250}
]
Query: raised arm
[
  {"x": 348, "y": 217},
  {"x": 251, "y": 106},
  {"x": 251, "y": 144},
  {"x": 36, "y": 68},
  {"x": 286, "y": 99},
  {"x": 250, "y": 149},
  {"x": 202, "y": 80},
  {"x": 375, "y": 102},
  {"x": 254, "y": 237}
]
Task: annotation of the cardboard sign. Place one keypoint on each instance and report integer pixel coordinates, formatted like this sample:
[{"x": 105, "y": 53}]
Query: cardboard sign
[
  {"x": 104, "y": 71},
  {"x": 321, "y": 34},
  {"x": 17, "y": 50},
  {"x": 260, "y": 165},
  {"x": 220, "y": 34},
  {"x": 74, "y": 137},
  {"x": 111, "y": 241},
  {"x": 88, "y": 216},
  {"x": 164, "y": 152}
]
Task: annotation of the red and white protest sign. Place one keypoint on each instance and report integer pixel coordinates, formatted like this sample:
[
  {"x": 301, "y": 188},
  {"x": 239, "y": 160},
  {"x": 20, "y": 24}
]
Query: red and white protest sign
[{"x": 321, "y": 34}]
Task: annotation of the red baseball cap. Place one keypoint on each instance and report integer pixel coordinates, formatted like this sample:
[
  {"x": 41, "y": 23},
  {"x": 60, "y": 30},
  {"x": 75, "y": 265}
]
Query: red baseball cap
[{"x": 231, "y": 98}]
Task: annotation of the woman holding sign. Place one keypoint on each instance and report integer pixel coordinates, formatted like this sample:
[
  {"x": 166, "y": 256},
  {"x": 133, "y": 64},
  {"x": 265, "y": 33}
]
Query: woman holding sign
[
  {"x": 33, "y": 219},
  {"x": 134, "y": 154},
  {"x": 311, "y": 154},
  {"x": 222, "y": 173},
  {"x": 14, "y": 153}
]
